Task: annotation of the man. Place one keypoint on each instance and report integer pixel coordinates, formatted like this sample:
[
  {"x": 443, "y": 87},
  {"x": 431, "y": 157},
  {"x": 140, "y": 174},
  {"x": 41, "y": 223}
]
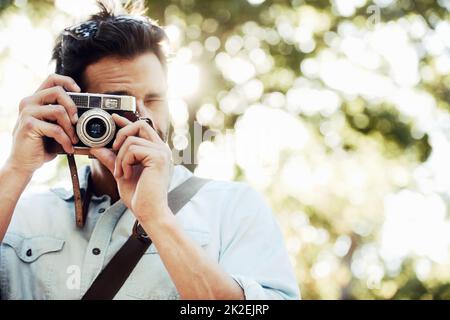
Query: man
[{"x": 223, "y": 244}]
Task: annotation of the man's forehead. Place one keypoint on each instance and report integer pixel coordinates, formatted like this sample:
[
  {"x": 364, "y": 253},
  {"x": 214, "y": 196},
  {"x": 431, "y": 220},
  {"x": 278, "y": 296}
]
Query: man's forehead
[{"x": 139, "y": 76}]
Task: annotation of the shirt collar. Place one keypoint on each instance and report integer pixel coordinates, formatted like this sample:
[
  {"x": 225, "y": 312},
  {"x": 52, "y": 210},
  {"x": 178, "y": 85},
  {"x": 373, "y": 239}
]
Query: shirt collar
[{"x": 194, "y": 222}]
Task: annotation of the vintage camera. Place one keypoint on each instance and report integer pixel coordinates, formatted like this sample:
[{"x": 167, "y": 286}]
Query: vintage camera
[{"x": 95, "y": 126}]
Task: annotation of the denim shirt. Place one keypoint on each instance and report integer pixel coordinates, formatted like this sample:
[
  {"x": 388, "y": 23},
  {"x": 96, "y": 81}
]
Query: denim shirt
[{"x": 45, "y": 256}]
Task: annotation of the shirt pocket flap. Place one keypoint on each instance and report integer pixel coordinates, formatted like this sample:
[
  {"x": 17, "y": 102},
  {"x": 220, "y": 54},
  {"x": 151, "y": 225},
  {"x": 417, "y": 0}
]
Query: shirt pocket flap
[
  {"x": 30, "y": 249},
  {"x": 202, "y": 238}
]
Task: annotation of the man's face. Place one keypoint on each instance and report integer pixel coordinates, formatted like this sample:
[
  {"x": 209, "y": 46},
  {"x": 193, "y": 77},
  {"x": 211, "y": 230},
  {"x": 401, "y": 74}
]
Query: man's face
[{"x": 142, "y": 77}]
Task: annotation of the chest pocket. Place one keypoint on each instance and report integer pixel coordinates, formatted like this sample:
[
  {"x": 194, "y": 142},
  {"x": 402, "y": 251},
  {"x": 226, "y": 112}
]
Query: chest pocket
[
  {"x": 28, "y": 267},
  {"x": 31, "y": 249}
]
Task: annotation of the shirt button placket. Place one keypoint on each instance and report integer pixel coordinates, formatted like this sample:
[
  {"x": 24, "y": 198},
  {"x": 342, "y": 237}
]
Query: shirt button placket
[{"x": 99, "y": 241}]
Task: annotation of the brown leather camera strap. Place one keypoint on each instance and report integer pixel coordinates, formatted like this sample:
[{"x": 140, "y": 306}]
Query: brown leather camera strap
[
  {"x": 116, "y": 272},
  {"x": 81, "y": 203}
]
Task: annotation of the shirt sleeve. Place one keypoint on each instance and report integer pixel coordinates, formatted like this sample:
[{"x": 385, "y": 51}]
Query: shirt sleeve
[{"x": 253, "y": 251}]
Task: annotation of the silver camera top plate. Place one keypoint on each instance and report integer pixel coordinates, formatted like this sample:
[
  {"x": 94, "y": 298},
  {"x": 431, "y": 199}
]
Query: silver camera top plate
[{"x": 104, "y": 101}]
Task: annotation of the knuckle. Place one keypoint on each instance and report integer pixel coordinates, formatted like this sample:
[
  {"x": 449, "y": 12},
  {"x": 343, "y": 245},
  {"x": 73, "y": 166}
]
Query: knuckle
[
  {"x": 26, "y": 112},
  {"x": 119, "y": 133},
  {"x": 143, "y": 125},
  {"x": 128, "y": 140},
  {"x": 68, "y": 102},
  {"x": 126, "y": 144},
  {"x": 28, "y": 123},
  {"x": 57, "y": 130},
  {"x": 60, "y": 90},
  {"x": 134, "y": 126},
  {"x": 55, "y": 92},
  {"x": 59, "y": 110},
  {"x": 50, "y": 78},
  {"x": 24, "y": 103},
  {"x": 52, "y": 93}
]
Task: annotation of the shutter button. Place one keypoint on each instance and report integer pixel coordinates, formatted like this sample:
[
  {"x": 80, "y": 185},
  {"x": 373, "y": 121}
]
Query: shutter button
[
  {"x": 96, "y": 251},
  {"x": 29, "y": 253}
]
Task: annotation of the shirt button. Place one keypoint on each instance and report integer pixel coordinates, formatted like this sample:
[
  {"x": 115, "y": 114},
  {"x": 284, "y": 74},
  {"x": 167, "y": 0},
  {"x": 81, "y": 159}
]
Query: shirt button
[
  {"x": 29, "y": 253},
  {"x": 96, "y": 251},
  {"x": 101, "y": 210}
]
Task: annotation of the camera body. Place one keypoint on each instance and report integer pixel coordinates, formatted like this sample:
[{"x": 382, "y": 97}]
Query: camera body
[{"x": 95, "y": 126}]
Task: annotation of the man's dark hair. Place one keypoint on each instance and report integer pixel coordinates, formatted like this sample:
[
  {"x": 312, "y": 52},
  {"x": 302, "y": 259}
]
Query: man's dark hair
[{"x": 106, "y": 35}]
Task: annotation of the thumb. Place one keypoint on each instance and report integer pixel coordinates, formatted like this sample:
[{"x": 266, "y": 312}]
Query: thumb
[{"x": 105, "y": 156}]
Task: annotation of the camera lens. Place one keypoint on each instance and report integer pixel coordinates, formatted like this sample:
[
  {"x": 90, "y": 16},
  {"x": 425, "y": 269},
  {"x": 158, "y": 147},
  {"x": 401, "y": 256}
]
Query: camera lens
[{"x": 96, "y": 128}]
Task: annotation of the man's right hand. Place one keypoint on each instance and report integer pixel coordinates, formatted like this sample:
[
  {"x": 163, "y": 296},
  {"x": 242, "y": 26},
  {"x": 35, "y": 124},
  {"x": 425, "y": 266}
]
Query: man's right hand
[{"x": 49, "y": 112}]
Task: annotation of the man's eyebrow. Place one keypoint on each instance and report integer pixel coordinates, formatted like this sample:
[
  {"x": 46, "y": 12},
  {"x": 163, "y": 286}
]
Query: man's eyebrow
[
  {"x": 119, "y": 93},
  {"x": 152, "y": 95},
  {"x": 155, "y": 95}
]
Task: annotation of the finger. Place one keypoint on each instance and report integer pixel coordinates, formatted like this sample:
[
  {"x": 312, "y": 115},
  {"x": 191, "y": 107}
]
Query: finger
[
  {"x": 53, "y": 131},
  {"x": 118, "y": 171},
  {"x": 131, "y": 141},
  {"x": 105, "y": 156},
  {"x": 121, "y": 121},
  {"x": 139, "y": 128},
  {"x": 59, "y": 96},
  {"x": 54, "y": 113},
  {"x": 59, "y": 80},
  {"x": 135, "y": 155}
]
